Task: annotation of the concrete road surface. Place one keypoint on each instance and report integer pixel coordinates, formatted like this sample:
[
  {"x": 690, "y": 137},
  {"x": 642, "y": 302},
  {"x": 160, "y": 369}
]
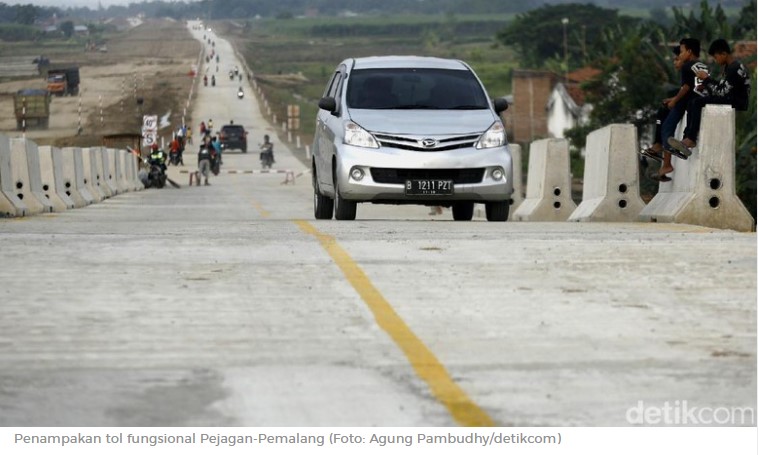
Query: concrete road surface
[{"x": 228, "y": 305}]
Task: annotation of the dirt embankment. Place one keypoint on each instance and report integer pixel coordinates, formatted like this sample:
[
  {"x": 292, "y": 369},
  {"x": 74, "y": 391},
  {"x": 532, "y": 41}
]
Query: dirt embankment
[{"x": 151, "y": 62}]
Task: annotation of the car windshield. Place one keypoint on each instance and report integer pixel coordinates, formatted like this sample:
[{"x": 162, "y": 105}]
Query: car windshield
[{"x": 415, "y": 88}]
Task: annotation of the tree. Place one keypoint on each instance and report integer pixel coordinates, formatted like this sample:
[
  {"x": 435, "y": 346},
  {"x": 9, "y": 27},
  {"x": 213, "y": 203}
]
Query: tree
[
  {"x": 67, "y": 28},
  {"x": 711, "y": 24},
  {"x": 745, "y": 25},
  {"x": 26, "y": 14},
  {"x": 538, "y": 34}
]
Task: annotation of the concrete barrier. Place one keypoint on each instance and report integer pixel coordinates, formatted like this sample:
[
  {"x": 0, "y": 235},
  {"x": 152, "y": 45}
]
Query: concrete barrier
[
  {"x": 25, "y": 171},
  {"x": 518, "y": 177},
  {"x": 10, "y": 203},
  {"x": 73, "y": 177},
  {"x": 548, "y": 187},
  {"x": 133, "y": 168},
  {"x": 109, "y": 170},
  {"x": 121, "y": 179},
  {"x": 92, "y": 174},
  {"x": 101, "y": 166},
  {"x": 702, "y": 191},
  {"x": 611, "y": 190},
  {"x": 51, "y": 172}
]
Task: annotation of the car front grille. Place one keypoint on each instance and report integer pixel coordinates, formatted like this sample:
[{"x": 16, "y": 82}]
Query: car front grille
[
  {"x": 458, "y": 176},
  {"x": 416, "y": 143}
]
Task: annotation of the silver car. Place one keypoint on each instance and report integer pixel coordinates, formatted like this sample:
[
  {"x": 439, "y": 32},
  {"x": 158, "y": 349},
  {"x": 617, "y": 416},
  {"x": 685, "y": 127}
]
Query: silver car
[{"x": 410, "y": 130}]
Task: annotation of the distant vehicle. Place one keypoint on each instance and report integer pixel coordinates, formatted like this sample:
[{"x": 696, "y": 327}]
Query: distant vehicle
[
  {"x": 233, "y": 136},
  {"x": 410, "y": 130},
  {"x": 63, "y": 81},
  {"x": 32, "y": 108}
]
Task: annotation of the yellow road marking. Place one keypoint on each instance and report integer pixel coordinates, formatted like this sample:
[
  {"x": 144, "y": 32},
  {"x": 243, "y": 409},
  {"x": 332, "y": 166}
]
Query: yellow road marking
[{"x": 423, "y": 361}]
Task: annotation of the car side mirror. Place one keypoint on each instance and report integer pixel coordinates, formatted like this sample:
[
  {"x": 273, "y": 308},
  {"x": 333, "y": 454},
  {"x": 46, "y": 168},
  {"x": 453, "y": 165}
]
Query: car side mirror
[
  {"x": 501, "y": 105},
  {"x": 328, "y": 103}
]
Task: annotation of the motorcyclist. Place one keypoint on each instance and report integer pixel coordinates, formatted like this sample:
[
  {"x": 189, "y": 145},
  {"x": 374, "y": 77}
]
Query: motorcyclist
[
  {"x": 205, "y": 80},
  {"x": 176, "y": 149},
  {"x": 157, "y": 157},
  {"x": 240, "y": 93},
  {"x": 267, "y": 148},
  {"x": 213, "y": 80}
]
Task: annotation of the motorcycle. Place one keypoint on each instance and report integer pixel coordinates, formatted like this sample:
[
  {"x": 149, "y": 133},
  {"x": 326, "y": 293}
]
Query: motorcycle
[
  {"x": 152, "y": 176},
  {"x": 213, "y": 81},
  {"x": 205, "y": 81},
  {"x": 240, "y": 93},
  {"x": 267, "y": 157},
  {"x": 175, "y": 158},
  {"x": 215, "y": 163},
  {"x": 231, "y": 75}
]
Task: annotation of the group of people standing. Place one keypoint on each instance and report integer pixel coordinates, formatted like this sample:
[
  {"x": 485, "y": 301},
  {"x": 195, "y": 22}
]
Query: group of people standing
[{"x": 697, "y": 89}]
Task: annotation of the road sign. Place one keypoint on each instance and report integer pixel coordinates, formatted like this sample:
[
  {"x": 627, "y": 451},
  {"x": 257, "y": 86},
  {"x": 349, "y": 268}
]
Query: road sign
[
  {"x": 149, "y": 138},
  {"x": 149, "y": 123}
]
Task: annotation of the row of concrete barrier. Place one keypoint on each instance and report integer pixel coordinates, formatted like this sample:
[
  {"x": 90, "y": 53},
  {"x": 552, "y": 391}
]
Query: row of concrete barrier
[
  {"x": 39, "y": 179},
  {"x": 701, "y": 192}
]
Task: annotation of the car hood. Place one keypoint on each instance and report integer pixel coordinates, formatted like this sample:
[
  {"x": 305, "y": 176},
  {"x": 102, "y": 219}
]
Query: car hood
[{"x": 423, "y": 122}]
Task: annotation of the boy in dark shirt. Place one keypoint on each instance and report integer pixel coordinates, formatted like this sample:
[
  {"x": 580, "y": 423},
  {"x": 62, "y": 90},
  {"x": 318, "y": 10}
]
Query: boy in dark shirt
[
  {"x": 733, "y": 89},
  {"x": 655, "y": 151},
  {"x": 688, "y": 55}
]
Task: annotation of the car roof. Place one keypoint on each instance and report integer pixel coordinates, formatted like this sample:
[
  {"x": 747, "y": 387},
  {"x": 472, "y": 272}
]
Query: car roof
[
  {"x": 232, "y": 126},
  {"x": 407, "y": 61}
]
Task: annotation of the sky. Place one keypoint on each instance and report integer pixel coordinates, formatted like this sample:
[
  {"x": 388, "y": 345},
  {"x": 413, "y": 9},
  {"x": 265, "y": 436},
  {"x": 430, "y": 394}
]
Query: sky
[{"x": 92, "y": 4}]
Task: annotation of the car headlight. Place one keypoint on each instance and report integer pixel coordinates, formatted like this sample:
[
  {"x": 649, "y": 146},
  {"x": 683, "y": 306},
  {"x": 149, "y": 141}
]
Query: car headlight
[
  {"x": 357, "y": 136},
  {"x": 493, "y": 137}
]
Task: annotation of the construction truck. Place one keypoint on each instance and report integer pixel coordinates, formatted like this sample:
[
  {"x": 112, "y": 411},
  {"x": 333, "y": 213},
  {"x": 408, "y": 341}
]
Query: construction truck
[
  {"x": 32, "y": 108},
  {"x": 63, "y": 81}
]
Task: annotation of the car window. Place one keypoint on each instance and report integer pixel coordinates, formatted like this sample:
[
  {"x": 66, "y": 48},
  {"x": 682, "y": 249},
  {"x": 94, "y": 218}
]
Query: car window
[
  {"x": 234, "y": 129},
  {"x": 332, "y": 84},
  {"x": 415, "y": 88}
]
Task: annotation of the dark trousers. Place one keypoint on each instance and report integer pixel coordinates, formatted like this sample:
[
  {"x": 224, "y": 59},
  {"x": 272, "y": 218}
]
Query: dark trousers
[
  {"x": 660, "y": 117},
  {"x": 668, "y": 129},
  {"x": 694, "y": 111}
]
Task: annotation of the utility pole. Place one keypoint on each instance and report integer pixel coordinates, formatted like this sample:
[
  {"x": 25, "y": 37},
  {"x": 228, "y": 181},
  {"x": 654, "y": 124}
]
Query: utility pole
[{"x": 565, "y": 22}]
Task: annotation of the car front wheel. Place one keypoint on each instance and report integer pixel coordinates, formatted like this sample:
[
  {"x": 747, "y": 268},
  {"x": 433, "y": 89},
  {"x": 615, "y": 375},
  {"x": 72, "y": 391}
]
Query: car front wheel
[
  {"x": 497, "y": 210},
  {"x": 343, "y": 209},
  {"x": 463, "y": 211},
  {"x": 323, "y": 207}
]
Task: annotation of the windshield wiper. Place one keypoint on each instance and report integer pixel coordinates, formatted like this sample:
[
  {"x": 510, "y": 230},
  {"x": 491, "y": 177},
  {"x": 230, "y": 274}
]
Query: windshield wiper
[
  {"x": 416, "y": 106},
  {"x": 468, "y": 107}
]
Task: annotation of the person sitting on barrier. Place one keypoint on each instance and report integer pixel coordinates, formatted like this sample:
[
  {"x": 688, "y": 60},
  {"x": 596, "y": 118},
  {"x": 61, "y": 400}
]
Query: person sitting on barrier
[
  {"x": 655, "y": 151},
  {"x": 733, "y": 89},
  {"x": 688, "y": 54}
]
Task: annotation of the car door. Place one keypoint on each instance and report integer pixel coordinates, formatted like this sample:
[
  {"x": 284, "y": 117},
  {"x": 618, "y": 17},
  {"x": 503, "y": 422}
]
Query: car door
[{"x": 329, "y": 130}]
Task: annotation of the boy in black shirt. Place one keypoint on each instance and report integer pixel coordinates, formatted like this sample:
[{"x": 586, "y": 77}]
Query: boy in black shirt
[
  {"x": 688, "y": 55},
  {"x": 733, "y": 89}
]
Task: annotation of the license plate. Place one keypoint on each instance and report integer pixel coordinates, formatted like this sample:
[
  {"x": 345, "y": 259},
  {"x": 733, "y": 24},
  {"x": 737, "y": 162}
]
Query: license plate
[{"x": 430, "y": 187}]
